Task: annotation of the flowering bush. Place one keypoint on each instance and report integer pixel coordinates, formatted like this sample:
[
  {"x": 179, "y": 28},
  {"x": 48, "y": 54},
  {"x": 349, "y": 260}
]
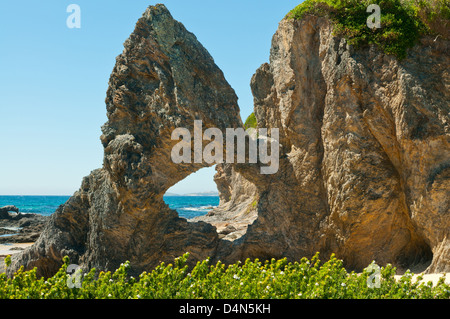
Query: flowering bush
[{"x": 309, "y": 278}]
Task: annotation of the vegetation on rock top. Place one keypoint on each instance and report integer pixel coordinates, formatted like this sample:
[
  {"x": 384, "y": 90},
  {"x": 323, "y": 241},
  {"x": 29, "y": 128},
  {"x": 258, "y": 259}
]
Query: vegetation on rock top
[{"x": 403, "y": 22}]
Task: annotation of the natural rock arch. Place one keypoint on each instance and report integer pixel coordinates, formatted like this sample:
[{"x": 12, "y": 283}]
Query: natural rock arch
[
  {"x": 164, "y": 79},
  {"x": 363, "y": 164}
]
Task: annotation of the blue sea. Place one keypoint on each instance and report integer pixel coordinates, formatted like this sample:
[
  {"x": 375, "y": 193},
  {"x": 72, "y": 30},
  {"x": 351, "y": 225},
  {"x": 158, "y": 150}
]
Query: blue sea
[{"x": 186, "y": 206}]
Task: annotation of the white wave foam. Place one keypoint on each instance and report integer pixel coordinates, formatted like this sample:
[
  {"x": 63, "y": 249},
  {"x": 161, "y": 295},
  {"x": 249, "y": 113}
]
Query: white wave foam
[{"x": 198, "y": 209}]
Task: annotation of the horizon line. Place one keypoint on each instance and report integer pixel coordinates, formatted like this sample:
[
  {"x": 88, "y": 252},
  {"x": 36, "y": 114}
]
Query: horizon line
[{"x": 65, "y": 195}]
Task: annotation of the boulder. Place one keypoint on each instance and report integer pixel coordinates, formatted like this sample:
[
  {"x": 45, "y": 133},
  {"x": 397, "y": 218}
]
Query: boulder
[{"x": 4, "y": 211}]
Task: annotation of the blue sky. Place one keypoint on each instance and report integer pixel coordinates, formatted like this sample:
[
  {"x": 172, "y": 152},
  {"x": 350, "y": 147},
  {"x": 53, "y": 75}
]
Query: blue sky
[{"x": 53, "y": 79}]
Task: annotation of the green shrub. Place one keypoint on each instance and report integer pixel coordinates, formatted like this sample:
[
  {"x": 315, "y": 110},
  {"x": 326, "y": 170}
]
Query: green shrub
[
  {"x": 251, "y": 122},
  {"x": 254, "y": 279},
  {"x": 402, "y": 22}
]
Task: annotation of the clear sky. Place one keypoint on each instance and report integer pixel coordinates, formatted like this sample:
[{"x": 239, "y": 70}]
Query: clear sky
[{"x": 53, "y": 79}]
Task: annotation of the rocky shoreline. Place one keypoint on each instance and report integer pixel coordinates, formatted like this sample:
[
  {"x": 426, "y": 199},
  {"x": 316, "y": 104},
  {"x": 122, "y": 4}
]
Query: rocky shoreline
[
  {"x": 21, "y": 228},
  {"x": 18, "y": 231}
]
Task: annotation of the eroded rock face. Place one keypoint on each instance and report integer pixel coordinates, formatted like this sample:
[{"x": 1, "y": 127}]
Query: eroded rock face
[
  {"x": 164, "y": 79},
  {"x": 364, "y": 168}
]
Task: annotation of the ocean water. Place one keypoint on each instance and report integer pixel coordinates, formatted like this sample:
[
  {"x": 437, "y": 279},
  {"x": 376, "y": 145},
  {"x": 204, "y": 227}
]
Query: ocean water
[
  {"x": 186, "y": 206},
  {"x": 44, "y": 205},
  {"x": 192, "y": 206}
]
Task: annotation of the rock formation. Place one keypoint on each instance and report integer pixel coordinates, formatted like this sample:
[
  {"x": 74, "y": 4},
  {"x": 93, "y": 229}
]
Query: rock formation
[
  {"x": 364, "y": 159},
  {"x": 4, "y": 211},
  {"x": 21, "y": 228},
  {"x": 164, "y": 79},
  {"x": 364, "y": 167},
  {"x": 364, "y": 170}
]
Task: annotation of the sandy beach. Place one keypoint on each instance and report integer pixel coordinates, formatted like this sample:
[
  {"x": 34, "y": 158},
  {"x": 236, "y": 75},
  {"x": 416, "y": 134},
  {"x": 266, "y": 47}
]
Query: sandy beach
[
  {"x": 10, "y": 249},
  {"x": 434, "y": 278},
  {"x": 17, "y": 232}
]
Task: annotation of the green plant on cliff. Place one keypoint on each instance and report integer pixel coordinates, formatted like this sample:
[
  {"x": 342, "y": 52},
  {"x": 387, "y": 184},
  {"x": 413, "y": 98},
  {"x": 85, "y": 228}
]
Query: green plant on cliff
[
  {"x": 251, "y": 122},
  {"x": 255, "y": 279},
  {"x": 402, "y": 22}
]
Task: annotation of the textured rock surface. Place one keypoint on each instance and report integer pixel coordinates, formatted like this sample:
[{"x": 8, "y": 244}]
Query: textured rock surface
[
  {"x": 364, "y": 169},
  {"x": 164, "y": 79},
  {"x": 364, "y": 158},
  {"x": 21, "y": 228},
  {"x": 4, "y": 211}
]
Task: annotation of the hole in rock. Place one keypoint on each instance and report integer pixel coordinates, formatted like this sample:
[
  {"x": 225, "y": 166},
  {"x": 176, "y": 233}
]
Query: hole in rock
[
  {"x": 195, "y": 195},
  {"x": 417, "y": 260}
]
